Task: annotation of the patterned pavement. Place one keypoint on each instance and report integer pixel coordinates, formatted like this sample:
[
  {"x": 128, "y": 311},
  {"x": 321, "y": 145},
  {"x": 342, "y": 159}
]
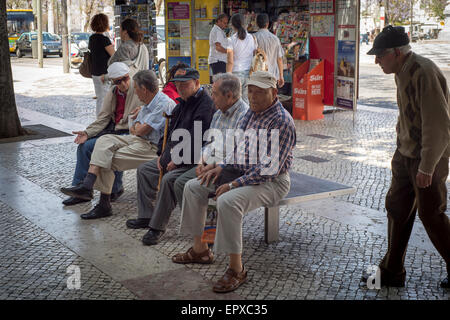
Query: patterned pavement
[{"x": 317, "y": 257}]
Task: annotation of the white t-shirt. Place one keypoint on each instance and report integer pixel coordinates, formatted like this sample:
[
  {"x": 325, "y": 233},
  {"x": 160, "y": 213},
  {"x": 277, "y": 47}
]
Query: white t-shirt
[
  {"x": 242, "y": 52},
  {"x": 217, "y": 35}
]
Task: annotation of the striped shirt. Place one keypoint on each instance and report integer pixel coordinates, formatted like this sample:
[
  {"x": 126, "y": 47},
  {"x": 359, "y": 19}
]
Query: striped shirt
[
  {"x": 275, "y": 159},
  {"x": 223, "y": 121}
]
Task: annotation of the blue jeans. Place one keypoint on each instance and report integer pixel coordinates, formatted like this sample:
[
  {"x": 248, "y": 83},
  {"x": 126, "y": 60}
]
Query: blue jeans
[
  {"x": 84, "y": 152},
  {"x": 243, "y": 76}
]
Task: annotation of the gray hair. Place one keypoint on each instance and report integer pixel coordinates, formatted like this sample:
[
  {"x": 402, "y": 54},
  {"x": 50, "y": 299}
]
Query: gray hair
[
  {"x": 147, "y": 79},
  {"x": 405, "y": 49},
  {"x": 228, "y": 83}
]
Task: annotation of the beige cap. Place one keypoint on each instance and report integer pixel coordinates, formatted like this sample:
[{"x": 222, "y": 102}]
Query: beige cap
[{"x": 262, "y": 79}]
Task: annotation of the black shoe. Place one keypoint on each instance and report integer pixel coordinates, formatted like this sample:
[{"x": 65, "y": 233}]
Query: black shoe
[
  {"x": 72, "y": 201},
  {"x": 98, "y": 212},
  {"x": 446, "y": 283},
  {"x": 152, "y": 237},
  {"x": 79, "y": 192},
  {"x": 140, "y": 223},
  {"x": 115, "y": 196},
  {"x": 387, "y": 281}
]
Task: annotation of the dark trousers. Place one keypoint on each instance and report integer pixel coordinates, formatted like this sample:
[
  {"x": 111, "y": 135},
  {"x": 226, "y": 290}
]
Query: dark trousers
[
  {"x": 217, "y": 67},
  {"x": 403, "y": 199}
]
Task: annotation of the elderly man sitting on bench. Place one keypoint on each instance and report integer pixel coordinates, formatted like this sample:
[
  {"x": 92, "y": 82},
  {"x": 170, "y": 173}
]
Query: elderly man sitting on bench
[
  {"x": 118, "y": 153},
  {"x": 245, "y": 183}
]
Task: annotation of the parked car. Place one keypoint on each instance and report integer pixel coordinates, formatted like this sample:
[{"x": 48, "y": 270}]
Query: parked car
[
  {"x": 51, "y": 44},
  {"x": 77, "y": 37}
]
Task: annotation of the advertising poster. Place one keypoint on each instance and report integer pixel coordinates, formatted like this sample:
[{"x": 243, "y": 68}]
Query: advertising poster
[
  {"x": 178, "y": 10},
  {"x": 322, "y": 26},
  {"x": 175, "y": 60},
  {"x": 346, "y": 58},
  {"x": 345, "y": 90}
]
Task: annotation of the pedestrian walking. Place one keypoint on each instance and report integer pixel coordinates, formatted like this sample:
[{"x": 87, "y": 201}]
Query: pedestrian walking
[
  {"x": 101, "y": 50},
  {"x": 420, "y": 163},
  {"x": 240, "y": 50}
]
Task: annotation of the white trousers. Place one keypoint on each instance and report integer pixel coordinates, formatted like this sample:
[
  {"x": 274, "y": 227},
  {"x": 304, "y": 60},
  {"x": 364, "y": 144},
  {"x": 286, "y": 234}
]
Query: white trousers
[
  {"x": 231, "y": 207},
  {"x": 119, "y": 153},
  {"x": 100, "y": 92}
]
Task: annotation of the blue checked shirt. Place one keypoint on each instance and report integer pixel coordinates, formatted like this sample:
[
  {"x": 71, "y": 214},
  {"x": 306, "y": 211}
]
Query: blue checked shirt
[
  {"x": 260, "y": 168},
  {"x": 152, "y": 114},
  {"x": 223, "y": 121}
]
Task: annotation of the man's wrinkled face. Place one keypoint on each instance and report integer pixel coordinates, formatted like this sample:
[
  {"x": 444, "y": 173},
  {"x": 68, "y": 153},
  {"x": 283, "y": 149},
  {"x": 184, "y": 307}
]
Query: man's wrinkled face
[
  {"x": 141, "y": 92},
  {"x": 387, "y": 61},
  {"x": 221, "y": 101},
  {"x": 186, "y": 89},
  {"x": 261, "y": 99},
  {"x": 123, "y": 83}
]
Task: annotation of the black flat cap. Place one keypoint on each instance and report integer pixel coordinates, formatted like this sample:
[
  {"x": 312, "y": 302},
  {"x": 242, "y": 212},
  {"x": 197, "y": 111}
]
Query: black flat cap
[
  {"x": 185, "y": 75},
  {"x": 390, "y": 37}
]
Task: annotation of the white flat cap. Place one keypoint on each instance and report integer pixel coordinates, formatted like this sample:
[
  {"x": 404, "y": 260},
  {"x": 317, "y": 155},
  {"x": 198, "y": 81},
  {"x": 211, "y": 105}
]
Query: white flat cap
[{"x": 118, "y": 70}]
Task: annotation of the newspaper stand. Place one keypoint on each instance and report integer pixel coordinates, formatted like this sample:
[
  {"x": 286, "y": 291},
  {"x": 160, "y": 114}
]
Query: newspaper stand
[{"x": 308, "y": 91}]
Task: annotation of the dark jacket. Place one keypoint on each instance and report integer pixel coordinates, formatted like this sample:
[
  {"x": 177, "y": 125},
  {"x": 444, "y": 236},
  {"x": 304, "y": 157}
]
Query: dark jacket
[{"x": 199, "y": 107}]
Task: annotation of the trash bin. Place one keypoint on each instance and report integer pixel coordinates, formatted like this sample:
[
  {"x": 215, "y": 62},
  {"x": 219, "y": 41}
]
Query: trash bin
[
  {"x": 308, "y": 91},
  {"x": 34, "y": 48}
]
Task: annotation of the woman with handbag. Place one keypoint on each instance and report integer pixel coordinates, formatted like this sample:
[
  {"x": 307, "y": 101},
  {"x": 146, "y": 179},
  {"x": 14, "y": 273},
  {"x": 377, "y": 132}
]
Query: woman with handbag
[
  {"x": 101, "y": 49},
  {"x": 131, "y": 51}
]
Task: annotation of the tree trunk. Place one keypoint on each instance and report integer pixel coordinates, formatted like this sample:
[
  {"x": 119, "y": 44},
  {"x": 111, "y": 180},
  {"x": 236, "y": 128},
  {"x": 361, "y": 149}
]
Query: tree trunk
[{"x": 9, "y": 119}]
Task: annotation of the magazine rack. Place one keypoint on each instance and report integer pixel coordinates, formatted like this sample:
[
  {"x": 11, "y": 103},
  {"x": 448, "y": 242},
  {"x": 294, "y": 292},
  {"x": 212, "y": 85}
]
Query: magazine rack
[{"x": 308, "y": 91}]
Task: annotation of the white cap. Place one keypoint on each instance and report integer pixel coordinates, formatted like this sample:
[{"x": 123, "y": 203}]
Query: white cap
[{"x": 117, "y": 70}]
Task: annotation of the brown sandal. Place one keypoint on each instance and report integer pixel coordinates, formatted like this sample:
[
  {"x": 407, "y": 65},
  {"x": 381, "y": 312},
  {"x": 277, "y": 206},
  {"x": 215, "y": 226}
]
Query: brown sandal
[
  {"x": 230, "y": 281},
  {"x": 190, "y": 256}
]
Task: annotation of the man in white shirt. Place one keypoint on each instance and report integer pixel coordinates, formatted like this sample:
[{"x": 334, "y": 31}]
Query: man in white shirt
[
  {"x": 217, "y": 59},
  {"x": 271, "y": 45}
]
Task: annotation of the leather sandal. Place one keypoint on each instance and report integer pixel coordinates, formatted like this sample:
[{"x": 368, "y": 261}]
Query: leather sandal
[
  {"x": 230, "y": 281},
  {"x": 190, "y": 256}
]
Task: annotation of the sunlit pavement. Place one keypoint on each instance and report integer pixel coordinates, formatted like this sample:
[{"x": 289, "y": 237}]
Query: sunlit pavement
[{"x": 324, "y": 245}]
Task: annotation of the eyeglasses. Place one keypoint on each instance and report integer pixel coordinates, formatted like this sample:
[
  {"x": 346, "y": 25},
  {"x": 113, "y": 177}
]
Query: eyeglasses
[{"x": 119, "y": 81}]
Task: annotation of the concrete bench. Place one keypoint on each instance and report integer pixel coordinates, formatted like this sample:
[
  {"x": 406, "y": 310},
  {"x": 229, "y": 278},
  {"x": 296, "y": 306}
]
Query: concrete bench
[{"x": 303, "y": 188}]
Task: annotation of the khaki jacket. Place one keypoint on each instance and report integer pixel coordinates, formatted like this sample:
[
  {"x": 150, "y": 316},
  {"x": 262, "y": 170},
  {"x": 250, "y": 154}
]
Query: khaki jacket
[{"x": 109, "y": 108}]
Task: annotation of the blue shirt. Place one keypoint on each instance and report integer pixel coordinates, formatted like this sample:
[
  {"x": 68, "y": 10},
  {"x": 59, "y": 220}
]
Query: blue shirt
[{"x": 152, "y": 115}]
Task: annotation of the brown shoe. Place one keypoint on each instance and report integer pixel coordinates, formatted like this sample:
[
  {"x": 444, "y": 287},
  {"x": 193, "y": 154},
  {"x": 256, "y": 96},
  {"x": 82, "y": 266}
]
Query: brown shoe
[
  {"x": 230, "y": 281},
  {"x": 190, "y": 256}
]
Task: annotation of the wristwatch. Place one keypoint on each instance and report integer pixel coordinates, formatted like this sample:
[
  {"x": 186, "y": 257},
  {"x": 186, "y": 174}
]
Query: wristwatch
[{"x": 231, "y": 186}]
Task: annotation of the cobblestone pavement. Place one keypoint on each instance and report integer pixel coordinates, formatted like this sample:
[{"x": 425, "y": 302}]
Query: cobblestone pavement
[{"x": 316, "y": 257}]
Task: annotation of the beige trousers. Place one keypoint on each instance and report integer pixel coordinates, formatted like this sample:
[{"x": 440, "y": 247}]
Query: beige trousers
[
  {"x": 119, "y": 153},
  {"x": 231, "y": 207}
]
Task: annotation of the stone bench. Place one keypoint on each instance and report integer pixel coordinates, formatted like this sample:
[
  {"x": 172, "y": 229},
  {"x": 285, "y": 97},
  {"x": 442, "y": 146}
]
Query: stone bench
[{"x": 303, "y": 188}]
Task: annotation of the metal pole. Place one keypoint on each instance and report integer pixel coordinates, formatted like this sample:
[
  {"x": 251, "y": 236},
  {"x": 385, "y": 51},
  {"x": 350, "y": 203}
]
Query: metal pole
[
  {"x": 65, "y": 38},
  {"x": 411, "y": 22},
  {"x": 39, "y": 35}
]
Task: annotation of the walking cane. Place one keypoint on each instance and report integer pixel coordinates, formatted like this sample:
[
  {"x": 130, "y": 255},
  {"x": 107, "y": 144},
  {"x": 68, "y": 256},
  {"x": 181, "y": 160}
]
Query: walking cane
[{"x": 166, "y": 127}]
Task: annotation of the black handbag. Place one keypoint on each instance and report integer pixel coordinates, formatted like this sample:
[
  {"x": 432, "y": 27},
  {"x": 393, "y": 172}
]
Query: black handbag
[{"x": 86, "y": 66}]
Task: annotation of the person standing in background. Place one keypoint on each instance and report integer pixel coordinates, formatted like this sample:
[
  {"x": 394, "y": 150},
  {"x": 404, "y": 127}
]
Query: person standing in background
[
  {"x": 218, "y": 42},
  {"x": 271, "y": 45},
  {"x": 240, "y": 51},
  {"x": 101, "y": 50}
]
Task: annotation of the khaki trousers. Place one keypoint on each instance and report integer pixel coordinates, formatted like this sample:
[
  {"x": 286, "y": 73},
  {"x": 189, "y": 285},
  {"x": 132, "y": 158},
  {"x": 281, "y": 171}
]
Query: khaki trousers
[
  {"x": 231, "y": 207},
  {"x": 119, "y": 153},
  {"x": 403, "y": 199}
]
